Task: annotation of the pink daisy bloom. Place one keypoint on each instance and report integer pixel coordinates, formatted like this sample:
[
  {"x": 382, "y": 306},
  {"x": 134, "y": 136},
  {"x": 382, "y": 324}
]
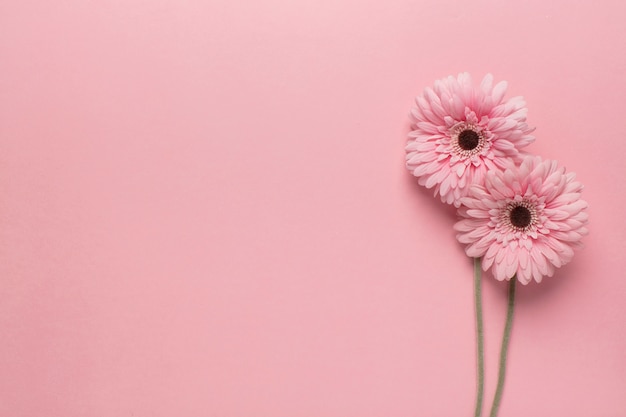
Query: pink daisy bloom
[
  {"x": 461, "y": 131},
  {"x": 524, "y": 221}
]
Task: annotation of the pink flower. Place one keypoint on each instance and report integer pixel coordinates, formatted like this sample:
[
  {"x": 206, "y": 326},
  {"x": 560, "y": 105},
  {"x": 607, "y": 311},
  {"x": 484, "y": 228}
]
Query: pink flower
[
  {"x": 523, "y": 221},
  {"x": 461, "y": 131}
]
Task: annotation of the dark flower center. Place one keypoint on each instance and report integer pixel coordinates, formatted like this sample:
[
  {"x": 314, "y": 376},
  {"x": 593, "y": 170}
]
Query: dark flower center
[
  {"x": 468, "y": 140},
  {"x": 520, "y": 217}
]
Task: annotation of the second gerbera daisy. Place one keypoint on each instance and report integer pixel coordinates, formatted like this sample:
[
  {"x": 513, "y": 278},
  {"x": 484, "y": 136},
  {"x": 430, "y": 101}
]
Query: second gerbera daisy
[
  {"x": 524, "y": 221},
  {"x": 460, "y": 131}
]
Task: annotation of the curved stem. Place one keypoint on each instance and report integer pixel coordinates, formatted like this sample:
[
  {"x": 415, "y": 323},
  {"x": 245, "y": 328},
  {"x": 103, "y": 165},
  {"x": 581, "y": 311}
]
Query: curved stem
[
  {"x": 480, "y": 348},
  {"x": 505, "y": 346}
]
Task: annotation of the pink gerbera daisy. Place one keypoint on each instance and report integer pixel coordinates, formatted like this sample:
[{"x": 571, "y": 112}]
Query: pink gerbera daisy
[
  {"x": 524, "y": 221},
  {"x": 460, "y": 131}
]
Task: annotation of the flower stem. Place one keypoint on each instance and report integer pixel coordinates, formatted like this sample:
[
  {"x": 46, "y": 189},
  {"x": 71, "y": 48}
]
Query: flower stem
[
  {"x": 505, "y": 346},
  {"x": 479, "y": 337}
]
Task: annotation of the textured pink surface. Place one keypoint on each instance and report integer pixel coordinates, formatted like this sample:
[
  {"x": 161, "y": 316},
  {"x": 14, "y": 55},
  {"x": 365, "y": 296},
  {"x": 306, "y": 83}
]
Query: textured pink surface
[{"x": 204, "y": 209}]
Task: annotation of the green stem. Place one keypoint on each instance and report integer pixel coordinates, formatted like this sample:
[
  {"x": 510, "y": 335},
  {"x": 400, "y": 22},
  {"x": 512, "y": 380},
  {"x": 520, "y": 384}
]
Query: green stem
[
  {"x": 480, "y": 344},
  {"x": 505, "y": 346}
]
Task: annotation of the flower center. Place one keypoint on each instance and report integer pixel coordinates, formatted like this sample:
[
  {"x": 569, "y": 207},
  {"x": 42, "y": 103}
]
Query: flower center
[
  {"x": 468, "y": 140},
  {"x": 520, "y": 217}
]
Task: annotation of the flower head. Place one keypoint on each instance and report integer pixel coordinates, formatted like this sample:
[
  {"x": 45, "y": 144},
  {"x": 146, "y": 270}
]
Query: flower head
[
  {"x": 524, "y": 221},
  {"x": 460, "y": 131}
]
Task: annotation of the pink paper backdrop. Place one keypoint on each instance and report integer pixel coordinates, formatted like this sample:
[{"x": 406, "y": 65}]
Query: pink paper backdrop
[{"x": 204, "y": 209}]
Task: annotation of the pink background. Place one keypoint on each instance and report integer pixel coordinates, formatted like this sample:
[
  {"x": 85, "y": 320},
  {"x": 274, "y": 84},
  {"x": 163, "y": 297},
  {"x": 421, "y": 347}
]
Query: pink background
[{"x": 204, "y": 209}]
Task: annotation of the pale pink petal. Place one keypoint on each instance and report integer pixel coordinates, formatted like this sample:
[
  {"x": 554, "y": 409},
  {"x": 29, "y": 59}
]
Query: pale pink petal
[
  {"x": 530, "y": 245},
  {"x": 454, "y": 105}
]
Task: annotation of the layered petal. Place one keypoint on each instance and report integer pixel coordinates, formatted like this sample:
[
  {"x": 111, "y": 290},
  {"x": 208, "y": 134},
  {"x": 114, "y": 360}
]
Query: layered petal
[
  {"x": 524, "y": 221},
  {"x": 461, "y": 130}
]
